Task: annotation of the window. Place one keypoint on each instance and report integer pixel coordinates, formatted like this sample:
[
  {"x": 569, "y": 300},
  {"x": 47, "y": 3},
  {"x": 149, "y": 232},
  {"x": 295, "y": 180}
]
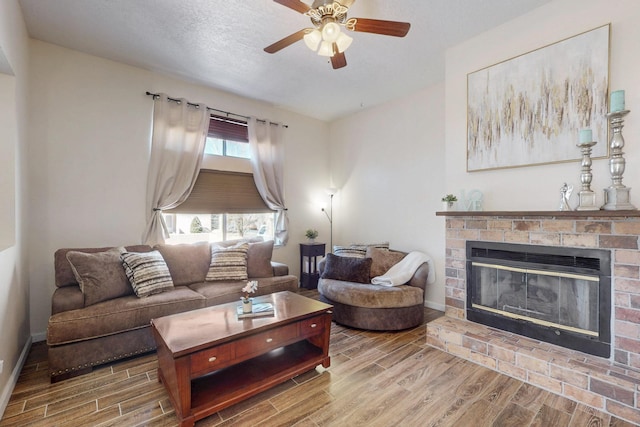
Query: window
[
  {"x": 222, "y": 147},
  {"x": 190, "y": 228},
  {"x": 227, "y": 137},
  {"x": 223, "y": 205}
]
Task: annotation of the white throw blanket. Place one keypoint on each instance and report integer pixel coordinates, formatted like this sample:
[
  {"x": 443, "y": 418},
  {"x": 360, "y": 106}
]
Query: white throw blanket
[{"x": 402, "y": 272}]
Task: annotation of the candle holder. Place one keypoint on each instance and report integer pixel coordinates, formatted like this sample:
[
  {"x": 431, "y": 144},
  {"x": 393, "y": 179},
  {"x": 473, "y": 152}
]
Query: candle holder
[
  {"x": 587, "y": 198},
  {"x": 616, "y": 196}
]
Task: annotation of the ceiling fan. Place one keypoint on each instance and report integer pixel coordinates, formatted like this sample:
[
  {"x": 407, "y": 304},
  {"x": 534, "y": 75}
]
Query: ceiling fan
[{"x": 325, "y": 37}]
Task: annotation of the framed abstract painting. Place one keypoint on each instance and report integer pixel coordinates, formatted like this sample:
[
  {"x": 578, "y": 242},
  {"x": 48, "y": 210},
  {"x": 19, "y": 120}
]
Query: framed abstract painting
[{"x": 528, "y": 110}]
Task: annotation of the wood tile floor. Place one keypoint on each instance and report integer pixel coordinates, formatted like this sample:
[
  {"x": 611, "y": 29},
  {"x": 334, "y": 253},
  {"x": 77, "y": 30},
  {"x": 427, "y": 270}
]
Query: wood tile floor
[{"x": 375, "y": 379}]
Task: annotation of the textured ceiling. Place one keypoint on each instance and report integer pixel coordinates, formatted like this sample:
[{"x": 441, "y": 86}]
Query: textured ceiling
[{"x": 219, "y": 43}]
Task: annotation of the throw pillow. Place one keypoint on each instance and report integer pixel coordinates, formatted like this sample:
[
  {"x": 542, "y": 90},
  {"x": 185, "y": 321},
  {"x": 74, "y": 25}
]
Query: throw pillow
[
  {"x": 381, "y": 245},
  {"x": 382, "y": 260},
  {"x": 349, "y": 252},
  {"x": 188, "y": 262},
  {"x": 228, "y": 263},
  {"x": 259, "y": 259},
  {"x": 358, "y": 250},
  {"x": 348, "y": 269},
  {"x": 100, "y": 275},
  {"x": 147, "y": 272}
]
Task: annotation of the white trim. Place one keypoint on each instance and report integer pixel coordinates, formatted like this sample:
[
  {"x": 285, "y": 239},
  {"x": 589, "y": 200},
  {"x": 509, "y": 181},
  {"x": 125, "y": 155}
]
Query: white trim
[
  {"x": 13, "y": 379},
  {"x": 434, "y": 305}
]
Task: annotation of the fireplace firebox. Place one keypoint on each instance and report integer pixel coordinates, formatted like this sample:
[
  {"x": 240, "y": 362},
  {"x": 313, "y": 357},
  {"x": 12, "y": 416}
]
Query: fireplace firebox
[{"x": 553, "y": 294}]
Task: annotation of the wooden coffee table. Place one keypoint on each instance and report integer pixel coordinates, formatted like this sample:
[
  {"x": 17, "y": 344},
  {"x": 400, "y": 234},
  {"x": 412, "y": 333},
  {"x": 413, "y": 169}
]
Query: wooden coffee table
[{"x": 209, "y": 360}]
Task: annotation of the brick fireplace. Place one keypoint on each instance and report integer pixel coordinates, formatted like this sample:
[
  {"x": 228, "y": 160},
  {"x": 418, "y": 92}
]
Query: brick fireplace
[{"x": 608, "y": 384}]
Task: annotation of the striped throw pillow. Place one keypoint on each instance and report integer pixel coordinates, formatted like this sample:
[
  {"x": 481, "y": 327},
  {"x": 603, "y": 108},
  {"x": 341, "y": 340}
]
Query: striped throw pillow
[
  {"x": 358, "y": 250},
  {"x": 228, "y": 263},
  {"x": 349, "y": 252},
  {"x": 147, "y": 272}
]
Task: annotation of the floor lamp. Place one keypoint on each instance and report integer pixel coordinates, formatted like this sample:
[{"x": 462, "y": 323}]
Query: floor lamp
[{"x": 330, "y": 191}]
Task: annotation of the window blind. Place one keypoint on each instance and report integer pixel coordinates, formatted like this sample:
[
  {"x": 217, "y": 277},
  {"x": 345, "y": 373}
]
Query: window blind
[
  {"x": 219, "y": 192},
  {"x": 228, "y": 129}
]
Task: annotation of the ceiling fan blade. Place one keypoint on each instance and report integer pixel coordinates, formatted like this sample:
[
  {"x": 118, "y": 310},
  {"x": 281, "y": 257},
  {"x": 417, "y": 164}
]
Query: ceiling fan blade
[
  {"x": 338, "y": 60},
  {"x": 287, "y": 41},
  {"x": 296, "y": 5},
  {"x": 378, "y": 26}
]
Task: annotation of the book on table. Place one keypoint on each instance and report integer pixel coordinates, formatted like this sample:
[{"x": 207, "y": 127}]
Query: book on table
[{"x": 258, "y": 310}]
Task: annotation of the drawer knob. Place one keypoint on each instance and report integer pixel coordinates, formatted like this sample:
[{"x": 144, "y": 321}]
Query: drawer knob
[
  {"x": 313, "y": 325},
  {"x": 212, "y": 359},
  {"x": 269, "y": 339}
]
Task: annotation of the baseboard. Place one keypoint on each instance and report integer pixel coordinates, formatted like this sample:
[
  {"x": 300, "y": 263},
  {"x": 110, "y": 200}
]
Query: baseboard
[
  {"x": 13, "y": 379},
  {"x": 38, "y": 337},
  {"x": 434, "y": 305}
]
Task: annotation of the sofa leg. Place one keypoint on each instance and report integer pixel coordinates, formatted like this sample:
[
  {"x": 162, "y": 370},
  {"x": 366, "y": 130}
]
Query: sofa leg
[{"x": 62, "y": 377}]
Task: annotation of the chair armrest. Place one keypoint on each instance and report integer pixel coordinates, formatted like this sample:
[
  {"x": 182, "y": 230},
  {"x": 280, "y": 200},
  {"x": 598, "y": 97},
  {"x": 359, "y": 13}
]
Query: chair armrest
[{"x": 419, "y": 279}]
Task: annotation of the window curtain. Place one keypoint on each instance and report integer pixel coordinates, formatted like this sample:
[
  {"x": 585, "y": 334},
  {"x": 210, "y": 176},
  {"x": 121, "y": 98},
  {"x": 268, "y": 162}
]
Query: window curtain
[
  {"x": 267, "y": 162},
  {"x": 177, "y": 146}
]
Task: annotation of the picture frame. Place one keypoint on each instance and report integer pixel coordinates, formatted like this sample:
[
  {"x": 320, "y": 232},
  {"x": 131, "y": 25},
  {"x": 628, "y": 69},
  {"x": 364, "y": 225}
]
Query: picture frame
[{"x": 528, "y": 110}]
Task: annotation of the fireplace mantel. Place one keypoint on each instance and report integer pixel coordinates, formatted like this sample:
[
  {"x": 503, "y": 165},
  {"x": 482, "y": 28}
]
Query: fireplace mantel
[{"x": 545, "y": 214}]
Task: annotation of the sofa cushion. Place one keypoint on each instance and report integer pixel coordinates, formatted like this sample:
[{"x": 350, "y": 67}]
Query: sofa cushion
[
  {"x": 347, "y": 268},
  {"x": 64, "y": 274},
  {"x": 382, "y": 260},
  {"x": 147, "y": 272},
  {"x": 228, "y": 263},
  {"x": 188, "y": 263},
  {"x": 370, "y": 296},
  {"x": 259, "y": 259},
  {"x": 100, "y": 275},
  {"x": 118, "y": 315},
  {"x": 225, "y": 291}
]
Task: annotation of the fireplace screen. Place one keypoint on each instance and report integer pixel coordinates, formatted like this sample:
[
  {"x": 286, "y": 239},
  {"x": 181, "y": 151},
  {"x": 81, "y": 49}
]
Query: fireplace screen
[
  {"x": 560, "y": 295},
  {"x": 556, "y": 299}
]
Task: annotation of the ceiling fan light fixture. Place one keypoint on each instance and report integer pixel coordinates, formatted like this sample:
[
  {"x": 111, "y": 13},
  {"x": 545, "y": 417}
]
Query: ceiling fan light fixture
[
  {"x": 312, "y": 39},
  {"x": 343, "y": 42},
  {"x": 331, "y": 32},
  {"x": 326, "y": 49}
]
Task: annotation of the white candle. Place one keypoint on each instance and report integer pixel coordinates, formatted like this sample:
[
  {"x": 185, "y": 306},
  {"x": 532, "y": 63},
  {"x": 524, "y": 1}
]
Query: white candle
[
  {"x": 617, "y": 101},
  {"x": 585, "y": 136}
]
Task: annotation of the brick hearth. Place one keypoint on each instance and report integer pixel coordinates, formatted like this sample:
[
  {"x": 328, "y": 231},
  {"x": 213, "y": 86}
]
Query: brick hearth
[{"x": 611, "y": 385}]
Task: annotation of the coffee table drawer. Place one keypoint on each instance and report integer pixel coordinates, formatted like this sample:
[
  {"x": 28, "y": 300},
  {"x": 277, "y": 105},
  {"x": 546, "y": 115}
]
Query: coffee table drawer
[
  {"x": 211, "y": 359},
  {"x": 266, "y": 341},
  {"x": 312, "y": 326}
]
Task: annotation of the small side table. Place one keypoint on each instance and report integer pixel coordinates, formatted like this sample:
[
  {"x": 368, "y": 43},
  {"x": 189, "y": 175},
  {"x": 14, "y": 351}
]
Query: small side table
[{"x": 309, "y": 252}]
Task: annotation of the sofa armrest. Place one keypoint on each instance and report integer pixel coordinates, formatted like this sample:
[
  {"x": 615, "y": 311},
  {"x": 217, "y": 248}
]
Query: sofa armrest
[
  {"x": 419, "y": 279},
  {"x": 279, "y": 269},
  {"x": 67, "y": 298}
]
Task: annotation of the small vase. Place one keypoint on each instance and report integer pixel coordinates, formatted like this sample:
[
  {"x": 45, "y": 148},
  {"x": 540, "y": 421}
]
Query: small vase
[
  {"x": 449, "y": 206},
  {"x": 247, "y": 305}
]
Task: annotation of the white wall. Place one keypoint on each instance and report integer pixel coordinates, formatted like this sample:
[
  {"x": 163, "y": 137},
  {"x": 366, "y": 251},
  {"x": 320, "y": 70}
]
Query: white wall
[
  {"x": 394, "y": 162},
  {"x": 90, "y": 145},
  {"x": 14, "y": 287},
  {"x": 388, "y": 164},
  {"x": 538, "y": 187}
]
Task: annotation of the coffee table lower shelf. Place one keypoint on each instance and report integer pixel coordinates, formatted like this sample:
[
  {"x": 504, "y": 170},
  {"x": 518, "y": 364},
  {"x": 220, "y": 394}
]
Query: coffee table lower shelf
[{"x": 225, "y": 387}]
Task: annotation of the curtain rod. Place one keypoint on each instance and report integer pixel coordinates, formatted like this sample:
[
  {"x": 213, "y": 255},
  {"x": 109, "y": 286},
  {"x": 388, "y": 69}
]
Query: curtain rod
[{"x": 227, "y": 113}]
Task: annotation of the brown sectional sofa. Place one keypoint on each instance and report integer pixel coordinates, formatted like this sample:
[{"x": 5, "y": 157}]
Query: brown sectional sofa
[{"x": 80, "y": 337}]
